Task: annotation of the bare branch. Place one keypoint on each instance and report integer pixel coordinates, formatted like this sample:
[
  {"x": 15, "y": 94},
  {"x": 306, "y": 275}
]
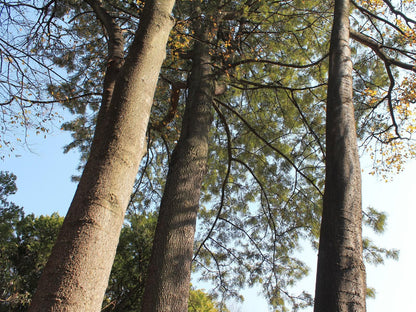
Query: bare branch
[
  {"x": 377, "y": 48},
  {"x": 263, "y": 61},
  {"x": 270, "y": 145},
  {"x": 399, "y": 13}
]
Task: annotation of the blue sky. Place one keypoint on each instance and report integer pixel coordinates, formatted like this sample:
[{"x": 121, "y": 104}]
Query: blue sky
[
  {"x": 393, "y": 281},
  {"x": 44, "y": 186}
]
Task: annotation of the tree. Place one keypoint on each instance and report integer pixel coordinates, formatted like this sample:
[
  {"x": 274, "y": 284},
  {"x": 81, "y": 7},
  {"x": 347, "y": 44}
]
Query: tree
[
  {"x": 283, "y": 136},
  {"x": 26, "y": 70},
  {"x": 382, "y": 111},
  {"x": 384, "y": 104},
  {"x": 128, "y": 274},
  {"x": 340, "y": 281},
  {"x": 77, "y": 272},
  {"x": 259, "y": 196},
  {"x": 174, "y": 210},
  {"x": 280, "y": 239},
  {"x": 37, "y": 41},
  {"x": 25, "y": 244},
  {"x": 268, "y": 134},
  {"x": 168, "y": 278},
  {"x": 199, "y": 301}
]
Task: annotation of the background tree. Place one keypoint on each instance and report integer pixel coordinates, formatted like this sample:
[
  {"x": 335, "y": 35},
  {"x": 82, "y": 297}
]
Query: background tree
[
  {"x": 26, "y": 243},
  {"x": 128, "y": 275},
  {"x": 383, "y": 33},
  {"x": 199, "y": 301}
]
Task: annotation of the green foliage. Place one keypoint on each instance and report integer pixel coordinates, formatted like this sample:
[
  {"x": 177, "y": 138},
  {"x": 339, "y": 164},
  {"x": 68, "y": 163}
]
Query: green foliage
[
  {"x": 374, "y": 254},
  {"x": 7, "y": 187},
  {"x": 371, "y": 293},
  {"x": 128, "y": 275},
  {"x": 263, "y": 190},
  {"x": 199, "y": 301},
  {"x": 377, "y": 255},
  {"x": 376, "y": 220},
  {"x": 262, "y": 193},
  {"x": 25, "y": 244}
]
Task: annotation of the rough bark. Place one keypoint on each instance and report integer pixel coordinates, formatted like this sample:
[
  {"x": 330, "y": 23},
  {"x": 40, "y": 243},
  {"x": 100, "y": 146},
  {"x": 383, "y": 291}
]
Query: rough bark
[
  {"x": 115, "y": 55},
  {"x": 168, "y": 282},
  {"x": 76, "y": 275},
  {"x": 341, "y": 281}
]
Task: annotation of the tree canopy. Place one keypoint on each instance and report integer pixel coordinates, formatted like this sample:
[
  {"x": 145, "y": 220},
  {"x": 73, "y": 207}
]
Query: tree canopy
[{"x": 262, "y": 194}]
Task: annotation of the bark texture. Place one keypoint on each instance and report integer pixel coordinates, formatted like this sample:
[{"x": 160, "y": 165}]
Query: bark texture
[
  {"x": 76, "y": 275},
  {"x": 341, "y": 281},
  {"x": 114, "y": 62},
  {"x": 168, "y": 282}
]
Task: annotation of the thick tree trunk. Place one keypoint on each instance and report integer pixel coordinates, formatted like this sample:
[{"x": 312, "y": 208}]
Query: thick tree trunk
[
  {"x": 168, "y": 282},
  {"x": 341, "y": 281},
  {"x": 76, "y": 275}
]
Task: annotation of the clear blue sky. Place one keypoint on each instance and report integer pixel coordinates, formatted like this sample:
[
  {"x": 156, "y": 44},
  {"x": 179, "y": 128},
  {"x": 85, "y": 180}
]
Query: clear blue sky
[{"x": 44, "y": 186}]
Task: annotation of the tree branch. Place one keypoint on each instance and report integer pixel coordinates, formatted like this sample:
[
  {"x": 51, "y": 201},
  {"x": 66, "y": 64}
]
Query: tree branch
[
  {"x": 225, "y": 181},
  {"x": 262, "y": 61},
  {"x": 377, "y": 48},
  {"x": 270, "y": 145}
]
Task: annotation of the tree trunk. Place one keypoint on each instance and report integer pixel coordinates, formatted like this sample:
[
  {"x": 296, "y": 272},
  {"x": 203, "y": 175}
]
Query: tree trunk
[
  {"x": 114, "y": 63},
  {"x": 341, "y": 284},
  {"x": 76, "y": 275},
  {"x": 168, "y": 281}
]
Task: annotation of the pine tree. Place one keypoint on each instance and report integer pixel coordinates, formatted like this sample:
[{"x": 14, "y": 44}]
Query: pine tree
[
  {"x": 77, "y": 272},
  {"x": 340, "y": 281},
  {"x": 168, "y": 278}
]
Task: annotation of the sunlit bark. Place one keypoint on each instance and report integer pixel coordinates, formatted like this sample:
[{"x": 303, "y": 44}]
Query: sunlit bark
[
  {"x": 77, "y": 272},
  {"x": 341, "y": 284},
  {"x": 167, "y": 287}
]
